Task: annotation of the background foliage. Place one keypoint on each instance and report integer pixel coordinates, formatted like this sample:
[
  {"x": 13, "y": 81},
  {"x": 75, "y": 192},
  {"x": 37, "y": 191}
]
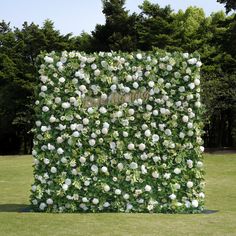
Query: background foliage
[{"x": 214, "y": 37}]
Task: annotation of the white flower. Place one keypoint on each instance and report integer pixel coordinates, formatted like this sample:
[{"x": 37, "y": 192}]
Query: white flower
[
  {"x": 197, "y": 104},
  {"x": 177, "y": 186},
  {"x": 104, "y": 169},
  {"x": 181, "y": 135},
  {"x": 189, "y": 184},
  {"x": 106, "y": 204},
  {"x": 44, "y": 128},
  {"x": 92, "y": 142},
  {"x": 201, "y": 195},
  {"x": 82, "y": 88},
  {"x": 185, "y": 55},
  {"x": 95, "y": 201},
  {"x": 65, "y": 105},
  {"x": 141, "y": 146},
  {"x": 199, "y": 164},
  {"x": 76, "y": 134},
  {"x": 85, "y": 121},
  {"x": 192, "y": 61},
  {"x": 197, "y": 82},
  {"x": 148, "y": 107},
  {"x": 185, "y": 119},
  {"x": 151, "y": 84},
  {"x": 135, "y": 85},
  {"x": 155, "y": 112},
  {"x": 52, "y": 119},
  {"x": 113, "y": 87},
  {"x": 148, "y": 188},
  {"x": 97, "y": 72},
  {"x": 155, "y": 174},
  {"x": 147, "y": 133},
  {"x": 155, "y": 138},
  {"x": 139, "y": 56},
  {"x": 82, "y": 159},
  {"x": 190, "y": 163},
  {"x": 168, "y": 132},
  {"x": 120, "y": 166},
  {"x": 48, "y": 59},
  {"x": 106, "y": 188},
  {"x": 131, "y": 146},
  {"x": 125, "y": 134},
  {"x": 191, "y": 85},
  {"x": 62, "y": 80},
  {"x": 46, "y": 161},
  {"x": 94, "y": 66},
  {"x": 177, "y": 171},
  {"x": 65, "y": 187},
  {"x": 42, "y": 206},
  {"x": 94, "y": 168},
  {"x": 133, "y": 165},
  {"x": 102, "y": 110},
  {"x": 198, "y": 64},
  {"x": 44, "y": 88},
  {"x": 45, "y": 109},
  {"x": 104, "y": 130},
  {"x": 90, "y": 110},
  {"x": 117, "y": 191},
  {"x": 68, "y": 182},
  {"x": 60, "y": 151},
  {"x": 131, "y": 111},
  {"x": 49, "y": 201},
  {"x": 59, "y": 140},
  {"x": 126, "y": 196},
  {"x": 172, "y": 196},
  {"x": 57, "y": 100},
  {"x": 195, "y": 203}
]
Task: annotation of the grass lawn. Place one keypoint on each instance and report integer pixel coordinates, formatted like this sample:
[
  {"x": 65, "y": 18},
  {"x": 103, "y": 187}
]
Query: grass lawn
[{"x": 16, "y": 177}]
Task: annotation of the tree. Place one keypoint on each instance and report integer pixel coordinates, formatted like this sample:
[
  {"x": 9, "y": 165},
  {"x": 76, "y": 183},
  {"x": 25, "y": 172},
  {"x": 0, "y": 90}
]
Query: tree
[
  {"x": 229, "y": 4},
  {"x": 118, "y": 33}
]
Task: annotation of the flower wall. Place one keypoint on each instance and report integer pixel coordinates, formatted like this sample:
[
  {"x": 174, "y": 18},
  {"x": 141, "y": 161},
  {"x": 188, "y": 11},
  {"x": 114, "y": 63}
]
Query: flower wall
[{"x": 118, "y": 132}]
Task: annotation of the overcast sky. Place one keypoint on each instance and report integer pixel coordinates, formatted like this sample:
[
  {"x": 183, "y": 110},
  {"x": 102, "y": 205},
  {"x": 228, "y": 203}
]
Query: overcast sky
[{"x": 77, "y": 15}]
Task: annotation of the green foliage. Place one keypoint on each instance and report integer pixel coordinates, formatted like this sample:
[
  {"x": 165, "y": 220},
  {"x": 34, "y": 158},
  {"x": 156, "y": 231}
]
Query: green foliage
[{"x": 229, "y": 4}]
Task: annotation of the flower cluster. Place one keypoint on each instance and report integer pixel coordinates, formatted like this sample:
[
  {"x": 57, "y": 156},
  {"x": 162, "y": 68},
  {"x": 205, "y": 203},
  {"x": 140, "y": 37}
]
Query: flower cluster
[{"x": 137, "y": 155}]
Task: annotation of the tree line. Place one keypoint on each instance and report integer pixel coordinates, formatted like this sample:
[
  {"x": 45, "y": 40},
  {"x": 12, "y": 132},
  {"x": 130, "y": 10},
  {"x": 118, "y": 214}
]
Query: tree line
[{"x": 214, "y": 37}]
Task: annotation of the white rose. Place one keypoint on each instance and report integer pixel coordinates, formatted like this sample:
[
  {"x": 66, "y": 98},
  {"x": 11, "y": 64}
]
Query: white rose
[
  {"x": 148, "y": 188},
  {"x": 126, "y": 196},
  {"x": 49, "y": 201},
  {"x": 65, "y": 105},
  {"x": 172, "y": 196},
  {"x": 48, "y": 59},
  {"x": 141, "y": 146},
  {"x": 120, "y": 166},
  {"x": 133, "y": 165},
  {"x": 117, "y": 191},
  {"x": 92, "y": 142},
  {"x": 97, "y": 72},
  {"x": 199, "y": 164},
  {"x": 151, "y": 84},
  {"x": 104, "y": 169},
  {"x": 177, "y": 171},
  {"x": 168, "y": 132},
  {"x": 95, "y": 201},
  {"x": 155, "y": 112},
  {"x": 46, "y": 161},
  {"x": 155, "y": 138},
  {"x": 185, "y": 119},
  {"x": 155, "y": 174},
  {"x": 106, "y": 188},
  {"x": 131, "y": 111},
  {"x": 131, "y": 146},
  {"x": 65, "y": 187},
  {"x": 44, "y": 128},
  {"x": 192, "y": 61},
  {"x": 125, "y": 134},
  {"x": 57, "y": 100},
  {"x": 147, "y": 133},
  {"x": 189, "y": 184},
  {"x": 62, "y": 80},
  {"x": 60, "y": 151},
  {"x": 139, "y": 56},
  {"x": 94, "y": 168},
  {"x": 45, "y": 109},
  {"x": 102, "y": 110},
  {"x": 197, "y": 82},
  {"x": 42, "y": 206},
  {"x": 90, "y": 110},
  {"x": 82, "y": 159},
  {"x": 195, "y": 203},
  {"x": 198, "y": 64},
  {"x": 135, "y": 85}
]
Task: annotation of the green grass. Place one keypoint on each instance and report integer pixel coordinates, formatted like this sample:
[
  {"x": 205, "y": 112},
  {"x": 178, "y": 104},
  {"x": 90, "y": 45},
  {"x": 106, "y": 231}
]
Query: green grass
[{"x": 16, "y": 177}]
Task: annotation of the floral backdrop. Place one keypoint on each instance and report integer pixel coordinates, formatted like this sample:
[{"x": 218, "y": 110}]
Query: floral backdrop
[{"x": 118, "y": 132}]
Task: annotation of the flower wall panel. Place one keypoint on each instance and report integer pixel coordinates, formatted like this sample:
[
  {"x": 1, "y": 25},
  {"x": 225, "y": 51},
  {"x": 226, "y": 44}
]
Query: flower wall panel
[{"x": 118, "y": 132}]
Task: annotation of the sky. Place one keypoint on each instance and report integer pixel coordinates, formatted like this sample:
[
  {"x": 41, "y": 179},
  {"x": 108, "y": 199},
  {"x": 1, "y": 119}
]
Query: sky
[{"x": 75, "y": 16}]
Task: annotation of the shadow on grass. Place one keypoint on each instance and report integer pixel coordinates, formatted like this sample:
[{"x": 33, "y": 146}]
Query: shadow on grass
[{"x": 14, "y": 208}]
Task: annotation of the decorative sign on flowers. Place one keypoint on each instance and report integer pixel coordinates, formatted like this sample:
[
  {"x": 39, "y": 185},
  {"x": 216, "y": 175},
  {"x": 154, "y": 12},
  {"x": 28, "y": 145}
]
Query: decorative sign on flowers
[{"x": 118, "y": 132}]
